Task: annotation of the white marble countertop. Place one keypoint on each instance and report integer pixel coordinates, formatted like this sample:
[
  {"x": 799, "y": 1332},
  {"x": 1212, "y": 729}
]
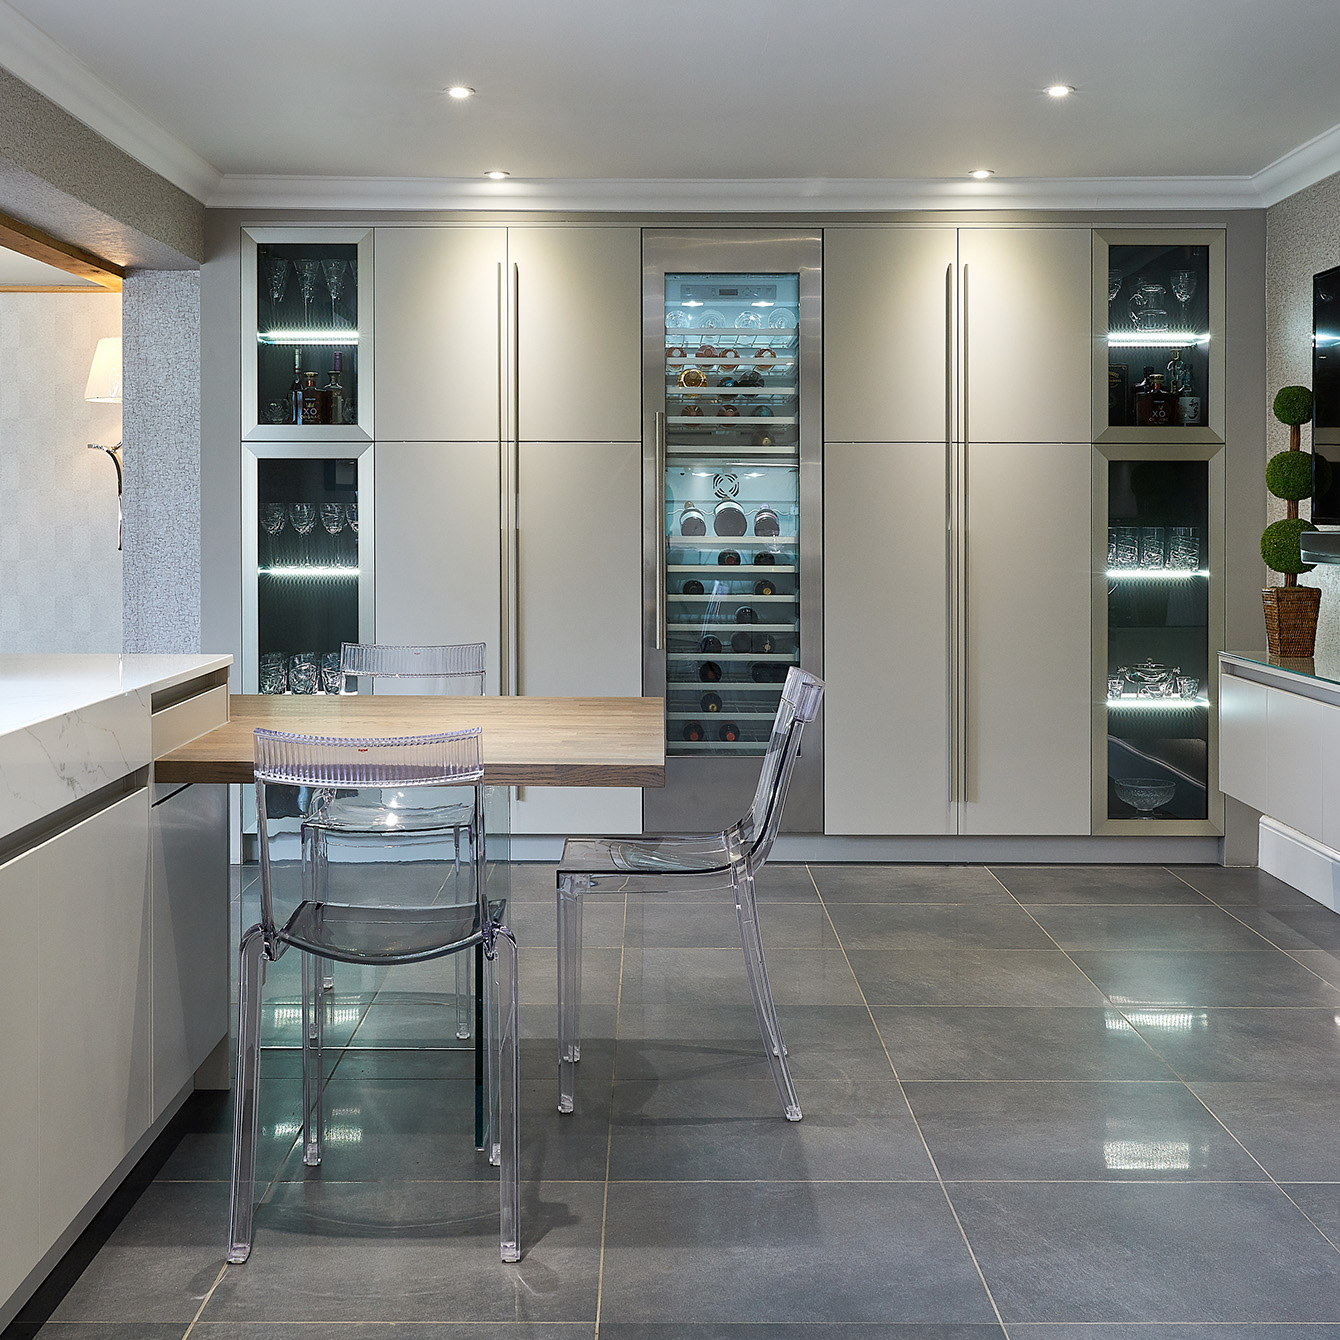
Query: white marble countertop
[
  {"x": 71, "y": 725},
  {"x": 1317, "y": 678}
]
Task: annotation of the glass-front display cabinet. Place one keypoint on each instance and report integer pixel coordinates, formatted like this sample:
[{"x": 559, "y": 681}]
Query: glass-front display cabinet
[
  {"x": 306, "y": 547},
  {"x": 307, "y": 360},
  {"x": 1158, "y": 340},
  {"x": 732, "y": 507},
  {"x": 1155, "y": 764}
]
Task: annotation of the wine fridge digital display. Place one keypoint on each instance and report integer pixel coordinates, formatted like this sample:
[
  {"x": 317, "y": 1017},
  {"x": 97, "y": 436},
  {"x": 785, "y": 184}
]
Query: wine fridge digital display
[{"x": 732, "y": 388}]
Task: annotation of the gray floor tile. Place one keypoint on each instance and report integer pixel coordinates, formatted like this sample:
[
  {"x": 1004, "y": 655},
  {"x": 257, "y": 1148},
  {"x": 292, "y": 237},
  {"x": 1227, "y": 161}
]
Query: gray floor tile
[
  {"x": 1075, "y": 1132},
  {"x": 1185, "y": 1252},
  {"x": 969, "y": 1043},
  {"x": 655, "y": 923},
  {"x": 415, "y": 1252},
  {"x": 112, "y": 1330},
  {"x": 1324, "y": 962},
  {"x": 692, "y": 978},
  {"x": 1205, "y": 927},
  {"x": 1170, "y": 977},
  {"x": 1241, "y": 886},
  {"x": 918, "y": 928},
  {"x": 908, "y": 884},
  {"x": 506, "y": 1330},
  {"x": 1310, "y": 927},
  {"x": 799, "y": 1331},
  {"x": 1090, "y": 884},
  {"x": 724, "y": 1128},
  {"x": 160, "y": 1261},
  {"x": 700, "y": 1253},
  {"x": 1144, "y": 1331},
  {"x": 1321, "y": 1203},
  {"x": 1251, "y": 1046},
  {"x": 1289, "y": 1128},
  {"x": 535, "y": 922},
  {"x": 951, "y": 976}
]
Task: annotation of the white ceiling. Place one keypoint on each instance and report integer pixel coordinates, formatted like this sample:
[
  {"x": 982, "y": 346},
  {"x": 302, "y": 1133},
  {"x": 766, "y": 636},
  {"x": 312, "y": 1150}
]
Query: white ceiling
[{"x": 795, "y": 91}]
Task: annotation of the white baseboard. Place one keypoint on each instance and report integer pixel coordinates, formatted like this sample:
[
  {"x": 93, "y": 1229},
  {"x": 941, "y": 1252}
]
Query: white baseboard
[{"x": 1306, "y": 864}]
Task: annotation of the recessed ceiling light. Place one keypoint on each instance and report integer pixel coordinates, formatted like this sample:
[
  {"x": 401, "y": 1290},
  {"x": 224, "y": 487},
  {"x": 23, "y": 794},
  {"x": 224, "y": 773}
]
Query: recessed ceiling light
[
  {"x": 460, "y": 91},
  {"x": 982, "y": 173},
  {"x": 497, "y": 174},
  {"x": 1060, "y": 90}
]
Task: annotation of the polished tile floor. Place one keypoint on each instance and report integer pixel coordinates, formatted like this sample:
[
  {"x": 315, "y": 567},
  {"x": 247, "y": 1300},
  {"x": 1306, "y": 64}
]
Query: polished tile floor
[{"x": 1060, "y": 1103}]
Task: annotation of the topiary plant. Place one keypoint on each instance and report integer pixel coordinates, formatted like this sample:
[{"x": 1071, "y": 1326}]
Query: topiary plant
[{"x": 1289, "y": 476}]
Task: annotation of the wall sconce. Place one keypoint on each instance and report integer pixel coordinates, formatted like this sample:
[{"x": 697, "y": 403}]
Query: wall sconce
[{"x": 104, "y": 385}]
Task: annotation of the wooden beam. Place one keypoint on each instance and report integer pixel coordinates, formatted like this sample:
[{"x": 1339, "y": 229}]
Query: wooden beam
[
  {"x": 40, "y": 246},
  {"x": 50, "y": 288}
]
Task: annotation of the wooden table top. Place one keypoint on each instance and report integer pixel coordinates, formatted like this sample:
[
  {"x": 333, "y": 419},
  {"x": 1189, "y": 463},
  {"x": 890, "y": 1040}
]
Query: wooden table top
[{"x": 527, "y": 741}]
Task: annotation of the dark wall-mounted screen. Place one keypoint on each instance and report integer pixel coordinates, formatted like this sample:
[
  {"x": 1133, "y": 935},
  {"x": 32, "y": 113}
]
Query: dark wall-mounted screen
[{"x": 1326, "y": 392}]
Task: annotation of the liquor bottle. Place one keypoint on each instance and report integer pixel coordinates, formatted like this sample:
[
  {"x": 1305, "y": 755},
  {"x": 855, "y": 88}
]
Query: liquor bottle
[
  {"x": 1188, "y": 403},
  {"x": 332, "y": 395},
  {"x": 693, "y": 730},
  {"x": 710, "y": 702},
  {"x": 741, "y": 643},
  {"x": 764, "y": 587},
  {"x": 311, "y": 400},
  {"x": 693, "y": 587},
  {"x": 709, "y": 672},
  {"x": 1155, "y": 406},
  {"x": 710, "y": 644},
  {"x": 295, "y": 389},
  {"x": 728, "y": 731}
]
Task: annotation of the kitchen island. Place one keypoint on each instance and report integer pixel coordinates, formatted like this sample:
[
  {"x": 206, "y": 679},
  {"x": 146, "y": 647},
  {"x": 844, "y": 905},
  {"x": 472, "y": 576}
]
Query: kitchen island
[{"x": 113, "y": 952}]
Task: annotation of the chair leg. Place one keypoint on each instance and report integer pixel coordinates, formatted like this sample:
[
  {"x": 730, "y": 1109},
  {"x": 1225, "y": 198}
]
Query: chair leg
[
  {"x": 506, "y": 1123},
  {"x": 320, "y": 873},
  {"x": 746, "y": 910},
  {"x": 312, "y": 1062},
  {"x": 464, "y": 996},
  {"x": 570, "y": 889},
  {"x": 241, "y": 1205}
]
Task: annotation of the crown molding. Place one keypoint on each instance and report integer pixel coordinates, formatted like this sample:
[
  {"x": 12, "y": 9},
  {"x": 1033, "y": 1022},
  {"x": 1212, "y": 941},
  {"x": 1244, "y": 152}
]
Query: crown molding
[
  {"x": 774, "y": 195},
  {"x": 1300, "y": 168},
  {"x": 28, "y": 53}
]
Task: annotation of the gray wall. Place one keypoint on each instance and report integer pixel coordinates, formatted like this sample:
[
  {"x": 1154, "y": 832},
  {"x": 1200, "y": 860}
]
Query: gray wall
[
  {"x": 61, "y": 584},
  {"x": 1302, "y": 237},
  {"x": 162, "y": 461}
]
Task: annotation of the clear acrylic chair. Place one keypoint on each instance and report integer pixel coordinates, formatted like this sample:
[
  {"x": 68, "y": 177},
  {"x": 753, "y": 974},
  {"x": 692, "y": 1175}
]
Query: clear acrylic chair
[
  {"x": 728, "y": 860},
  {"x": 456, "y": 670},
  {"x": 429, "y": 910}
]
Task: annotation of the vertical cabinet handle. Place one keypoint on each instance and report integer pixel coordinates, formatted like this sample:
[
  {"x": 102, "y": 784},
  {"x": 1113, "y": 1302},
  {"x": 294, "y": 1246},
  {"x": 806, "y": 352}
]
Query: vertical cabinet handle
[
  {"x": 965, "y": 584},
  {"x": 951, "y": 570},
  {"x": 508, "y": 451},
  {"x": 658, "y": 532}
]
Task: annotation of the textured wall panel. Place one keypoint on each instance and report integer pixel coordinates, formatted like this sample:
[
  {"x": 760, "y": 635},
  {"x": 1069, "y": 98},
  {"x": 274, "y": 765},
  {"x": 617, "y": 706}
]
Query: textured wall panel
[
  {"x": 162, "y": 452},
  {"x": 60, "y": 572}
]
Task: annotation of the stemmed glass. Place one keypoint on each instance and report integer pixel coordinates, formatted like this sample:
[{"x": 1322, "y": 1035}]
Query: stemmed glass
[
  {"x": 276, "y": 271},
  {"x": 1184, "y": 288},
  {"x": 308, "y": 272},
  {"x": 334, "y": 273}
]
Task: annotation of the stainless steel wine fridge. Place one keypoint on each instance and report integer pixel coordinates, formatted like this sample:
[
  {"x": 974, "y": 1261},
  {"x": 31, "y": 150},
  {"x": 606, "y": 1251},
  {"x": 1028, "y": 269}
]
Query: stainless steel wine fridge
[{"x": 732, "y": 431}]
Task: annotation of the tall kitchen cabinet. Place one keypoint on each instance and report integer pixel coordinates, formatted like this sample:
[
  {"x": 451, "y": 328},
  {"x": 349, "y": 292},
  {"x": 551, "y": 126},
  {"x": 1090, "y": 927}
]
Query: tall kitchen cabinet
[
  {"x": 509, "y": 465},
  {"x": 958, "y": 572}
]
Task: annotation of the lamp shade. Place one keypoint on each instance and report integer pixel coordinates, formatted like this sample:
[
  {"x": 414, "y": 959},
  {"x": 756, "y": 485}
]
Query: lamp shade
[{"x": 104, "y": 377}]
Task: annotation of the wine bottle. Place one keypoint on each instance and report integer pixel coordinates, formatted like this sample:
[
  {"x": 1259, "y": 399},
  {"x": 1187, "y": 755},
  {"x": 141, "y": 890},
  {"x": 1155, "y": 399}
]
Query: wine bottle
[
  {"x": 332, "y": 394},
  {"x": 692, "y": 521},
  {"x": 709, "y": 672},
  {"x": 741, "y": 643},
  {"x": 311, "y": 400},
  {"x": 764, "y": 587},
  {"x": 765, "y": 558},
  {"x": 709, "y": 643},
  {"x": 710, "y": 702},
  {"x": 693, "y": 730},
  {"x": 693, "y": 587},
  {"x": 295, "y": 389},
  {"x": 766, "y": 522},
  {"x": 746, "y": 614},
  {"x": 765, "y": 643},
  {"x": 728, "y": 558},
  {"x": 728, "y": 731}
]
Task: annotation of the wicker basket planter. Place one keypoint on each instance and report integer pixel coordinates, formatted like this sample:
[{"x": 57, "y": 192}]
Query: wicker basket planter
[{"x": 1291, "y": 619}]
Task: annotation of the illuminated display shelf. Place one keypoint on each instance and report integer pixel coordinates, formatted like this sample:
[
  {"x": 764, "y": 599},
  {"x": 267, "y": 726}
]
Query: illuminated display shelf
[
  {"x": 314, "y": 336},
  {"x": 1156, "y": 339},
  {"x": 311, "y": 570},
  {"x": 1156, "y": 574},
  {"x": 1157, "y": 704}
]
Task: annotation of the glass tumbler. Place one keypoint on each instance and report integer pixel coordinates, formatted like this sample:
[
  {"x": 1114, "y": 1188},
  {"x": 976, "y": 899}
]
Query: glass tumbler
[
  {"x": 330, "y": 672},
  {"x": 1153, "y": 546},
  {"x": 1127, "y": 547},
  {"x": 1187, "y": 686},
  {"x": 1184, "y": 548},
  {"x": 1116, "y": 685},
  {"x": 273, "y": 673},
  {"x": 304, "y": 672}
]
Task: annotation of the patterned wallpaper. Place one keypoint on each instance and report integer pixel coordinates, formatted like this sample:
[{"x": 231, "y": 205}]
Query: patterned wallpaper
[
  {"x": 1302, "y": 237},
  {"x": 60, "y": 571}
]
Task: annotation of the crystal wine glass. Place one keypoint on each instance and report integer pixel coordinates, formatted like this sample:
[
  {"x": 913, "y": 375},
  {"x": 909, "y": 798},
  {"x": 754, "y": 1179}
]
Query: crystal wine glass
[
  {"x": 302, "y": 517},
  {"x": 1183, "y": 284},
  {"x": 276, "y": 272},
  {"x": 308, "y": 273},
  {"x": 334, "y": 275}
]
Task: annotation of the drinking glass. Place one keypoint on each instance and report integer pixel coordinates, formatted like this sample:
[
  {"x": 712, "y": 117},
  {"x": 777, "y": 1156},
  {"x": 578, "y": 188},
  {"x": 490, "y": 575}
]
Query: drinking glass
[
  {"x": 1184, "y": 548},
  {"x": 272, "y": 518},
  {"x": 1153, "y": 546},
  {"x": 1187, "y": 686},
  {"x": 1128, "y": 547},
  {"x": 276, "y": 272},
  {"x": 1183, "y": 284},
  {"x": 330, "y": 672},
  {"x": 1146, "y": 306},
  {"x": 1111, "y": 546},
  {"x": 308, "y": 273},
  {"x": 332, "y": 517},
  {"x": 1113, "y": 284},
  {"x": 1116, "y": 685},
  {"x": 273, "y": 675},
  {"x": 304, "y": 672},
  {"x": 351, "y": 511},
  {"x": 302, "y": 517},
  {"x": 333, "y": 272}
]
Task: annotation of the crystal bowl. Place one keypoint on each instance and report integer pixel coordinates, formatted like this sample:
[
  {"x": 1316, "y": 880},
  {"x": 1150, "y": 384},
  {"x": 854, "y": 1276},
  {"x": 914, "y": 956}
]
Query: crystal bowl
[{"x": 1145, "y": 793}]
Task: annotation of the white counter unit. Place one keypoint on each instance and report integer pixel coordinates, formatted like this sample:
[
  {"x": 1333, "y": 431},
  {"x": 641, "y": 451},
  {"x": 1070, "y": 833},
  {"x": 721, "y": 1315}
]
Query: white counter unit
[{"x": 113, "y": 932}]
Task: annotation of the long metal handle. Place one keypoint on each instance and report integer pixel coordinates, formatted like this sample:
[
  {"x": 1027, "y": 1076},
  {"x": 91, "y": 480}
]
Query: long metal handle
[
  {"x": 951, "y": 564},
  {"x": 508, "y": 452},
  {"x": 965, "y": 583},
  {"x": 504, "y": 498},
  {"x": 662, "y": 576}
]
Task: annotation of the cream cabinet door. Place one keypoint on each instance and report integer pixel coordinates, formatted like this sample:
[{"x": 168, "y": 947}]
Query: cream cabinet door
[
  {"x": 1027, "y": 334},
  {"x": 578, "y": 332},
  {"x": 440, "y": 318},
  {"x": 438, "y": 549},
  {"x": 579, "y": 601},
  {"x": 1027, "y": 658},
  {"x": 886, "y": 639},
  {"x": 889, "y": 296}
]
